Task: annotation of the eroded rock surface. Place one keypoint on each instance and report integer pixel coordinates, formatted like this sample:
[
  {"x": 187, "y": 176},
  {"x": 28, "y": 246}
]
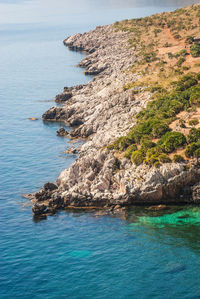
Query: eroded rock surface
[{"x": 102, "y": 111}]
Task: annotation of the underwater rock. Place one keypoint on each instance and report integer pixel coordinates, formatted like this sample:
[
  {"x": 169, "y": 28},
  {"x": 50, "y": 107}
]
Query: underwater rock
[{"x": 173, "y": 268}]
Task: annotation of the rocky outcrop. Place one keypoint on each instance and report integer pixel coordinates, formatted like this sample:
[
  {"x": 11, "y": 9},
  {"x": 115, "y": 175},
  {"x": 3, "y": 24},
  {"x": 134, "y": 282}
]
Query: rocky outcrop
[
  {"x": 54, "y": 114},
  {"x": 61, "y": 98},
  {"x": 61, "y": 132},
  {"x": 102, "y": 111}
]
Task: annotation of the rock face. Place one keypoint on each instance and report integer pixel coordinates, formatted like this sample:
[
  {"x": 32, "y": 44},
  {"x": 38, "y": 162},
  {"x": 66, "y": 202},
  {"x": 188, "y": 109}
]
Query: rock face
[{"x": 102, "y": 111}]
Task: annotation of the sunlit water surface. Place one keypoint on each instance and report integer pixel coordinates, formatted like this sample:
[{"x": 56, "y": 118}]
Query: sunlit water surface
[{"x": 144, "y": 254}]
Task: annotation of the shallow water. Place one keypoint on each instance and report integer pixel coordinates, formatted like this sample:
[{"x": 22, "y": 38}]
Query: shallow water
[{"x": 143, "y": 254}]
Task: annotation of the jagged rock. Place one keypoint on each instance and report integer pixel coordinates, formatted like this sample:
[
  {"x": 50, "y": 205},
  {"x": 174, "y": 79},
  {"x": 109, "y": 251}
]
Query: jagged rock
[
  {"x": 196, "y": 193},
  {"x": 76, "y": 121},
  {"x": 50, "y": 186},
  {"x": 54, "y": 113},
  {"x": 63, "y": 97},
  {"x": 73, "y": 88},
  {"x": 61, "y": 132},
  {"x": 39, "y": 209}
]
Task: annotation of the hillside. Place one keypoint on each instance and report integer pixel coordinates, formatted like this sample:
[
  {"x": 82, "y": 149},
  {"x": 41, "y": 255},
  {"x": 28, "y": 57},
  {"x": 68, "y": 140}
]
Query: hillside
[
  {"x": 139, "y": 116},
  {"x": 168, "y": 49}
]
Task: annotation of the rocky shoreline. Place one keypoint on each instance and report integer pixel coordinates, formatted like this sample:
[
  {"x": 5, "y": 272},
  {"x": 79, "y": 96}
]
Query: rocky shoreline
[{"x": 100, "y": 112}]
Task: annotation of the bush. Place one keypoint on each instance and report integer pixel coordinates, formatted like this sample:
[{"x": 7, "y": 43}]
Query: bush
[
  {"x": 157, "y": 164},
  {"x": 167, "y": 45},
  {"x": 189, "y": 40},
  {"x": 186, "y": 82},
  {"x": 180, "y": 61},
  {"x": 171, "y": 141},
  {"x": 193, "y": 122},
  {"x": 120, "y": 144},
  {"x": 170, "y": 55},
  {"x": 194, "y": 135},
  {"x": 156, "y": 151},
  {"x": 152, "y": 160},
  {"x": 177, "y": 36},
  {"x": 178, "y": 159},
  {"x": 137, "y": 157},
  {"x": 150, "y": 57},
  {"x": 160, "y": 129},
  {"x": 163, "y": 158},
  {"x": 182, "y": 123},
  {"x": 181, "y": 53},
  {"x": 195, "y": 50},
  {"x": 191, "y": 148},
  {"x": 130, "y": 150},
  {"x": 197, "y": 153},
  {"x": 146, "y": 144}
]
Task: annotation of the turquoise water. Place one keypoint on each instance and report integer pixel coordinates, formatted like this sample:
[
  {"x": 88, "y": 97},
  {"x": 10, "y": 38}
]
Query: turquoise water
[{"x": 143, "y": 254}]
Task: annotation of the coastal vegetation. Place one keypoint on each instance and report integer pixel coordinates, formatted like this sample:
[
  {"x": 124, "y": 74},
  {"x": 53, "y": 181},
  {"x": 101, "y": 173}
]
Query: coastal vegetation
[{"x": 167, "y": 129}]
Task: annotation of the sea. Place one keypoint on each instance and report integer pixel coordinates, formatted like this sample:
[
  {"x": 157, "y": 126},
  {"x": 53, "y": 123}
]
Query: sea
[{"x": 75, "y": 255}]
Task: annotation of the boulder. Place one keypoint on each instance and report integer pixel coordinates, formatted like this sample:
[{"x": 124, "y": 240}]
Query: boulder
[{"x": 61, "y": 132}]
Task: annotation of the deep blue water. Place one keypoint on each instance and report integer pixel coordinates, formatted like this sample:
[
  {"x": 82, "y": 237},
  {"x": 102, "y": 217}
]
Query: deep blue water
[{"x": 74, "y": 255}]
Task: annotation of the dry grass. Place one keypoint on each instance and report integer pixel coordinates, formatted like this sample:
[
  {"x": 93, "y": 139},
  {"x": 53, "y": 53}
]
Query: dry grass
[{"x": 158, "y": 34}]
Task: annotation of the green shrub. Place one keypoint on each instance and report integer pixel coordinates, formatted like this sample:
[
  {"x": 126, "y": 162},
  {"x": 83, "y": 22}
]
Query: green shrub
[
  {"x": 186, "y": 82},
  {"x": 170, "y": 55},
  {"x": 157, "y": 164},
  {"x": 137, "y": 157},
  {"x": 146, "y": 144},
  {"x": 120, "y": 144},
  {"x": 182, "y": 123},
  {"x": 150, "y": 57},
  {"x": 176, "y": 35},
  {"x": 189, "y": 40},
  {"x": 191, "y": 148},
  {"x": 197, "y": 153},
  {"x": 167, "y": 45},
  {"x": 194, "y": 135},
  {"x": 198, "y": 76},
  {"x": 130, "y": 150},
  {"x": 171, "y": 141},
  {"x": 180, "y": 61},
  {"x": 178, "y": 159},
  {"x": 193, "y": 122},
  {"x": 195, "y": 50},
  {"x": 163, "y": 158},
  {"x": 181, "y": 53},
  {"x": 152, "y": 160},
  {"x": 160, "y": 129},
  {"x": 195, "y": 95}
]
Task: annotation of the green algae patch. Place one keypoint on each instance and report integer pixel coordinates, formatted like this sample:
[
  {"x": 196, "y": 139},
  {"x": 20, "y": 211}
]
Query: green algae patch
[{"x": 184, "y": 217}]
